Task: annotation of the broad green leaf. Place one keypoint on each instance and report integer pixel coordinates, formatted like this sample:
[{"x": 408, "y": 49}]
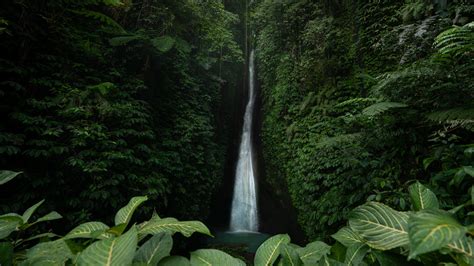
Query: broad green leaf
[
  {"x": 381, "y": 226},
  {"x": 89, "y": 230},
  {"x": 124, "y": 215},
  {"x": 27, "y": 214},
  {"x": 469, "y": 170},
  {"x": 347, "y": 237},
  {"x": 174, "y": 261},
  {"x": 122, "y": 40},
  {"x": 325, "y": 261},
  {"x": 213, "y": 257},
  {"x": 289, "y": 256},
  {"x": 355, "y": 254},
  {"x": 9, "y": 224},
  {"x": 117, "y": 251},
  {"x": 464, "y": 246},
  {"x": 163, "y": 43},
  {"x": 422, "y": 198},
  {"x": 430, "y": 230},
  {"x": 155, "y": 249},
  {"x": 269, "y": 251},
  {"x": 49, "y": 217},
  {"x": 313, "y": 252},
  {"x": 6, "y": 254},
  {"x": 43, "y": 235},
  {"x": 117, "y": 230},
  {"x": 171, "y": 225},
  {"x": 6, "y": 176},
  {"x": 49, "y": 253}
]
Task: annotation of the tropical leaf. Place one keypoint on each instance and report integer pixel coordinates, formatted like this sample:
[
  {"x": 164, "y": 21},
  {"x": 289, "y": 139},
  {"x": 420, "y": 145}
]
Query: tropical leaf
[
  {"x": 163, "y": 43},
  {"x": 381, "y": 107},
  {"x": 49, "y": 253},
  {"x": 117, "y": 251},
  {"x": 8, "y": 224},
  {"x": 174, "y": 261},
  {"x": 313, "y": 252},
  {"x": 171, "y": 225},
  {"x": 269, "y": 251},
  {"x": 6, "y": 176},
  {"x": 213, "y": 257},
  {"x": 49, "y": 217},
  {"x": 289, "y": 256},
  {"x": 463, "y": 246},
  {"x": 89, "y": 230},
  {"x": 123, "y": 40},
  {"x": 6, "y": 253},
  {"x": 381, "y": 226},
  {"x": 124, "y": 215},
  {"x": 422, "y": 198},
  {"x": 469, "y": 170},
  {"x": 347, "y": 237},
  {"x": 155, "y": 249},
  {"x": 325, "y": 261},
  {"x": 431, "y": 230},
  {"x": 27, "y": 214},
  {"x": 355, "y": 254}
]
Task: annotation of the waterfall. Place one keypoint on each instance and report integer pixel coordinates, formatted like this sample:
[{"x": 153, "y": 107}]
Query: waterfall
[{"x": 244, "y": 214}]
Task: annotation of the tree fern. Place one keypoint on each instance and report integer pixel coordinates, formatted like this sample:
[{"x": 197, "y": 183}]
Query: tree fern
[
  {"x": 457, "y": 41},
  {"x": 461, "y": 116},
  {"x": 378, "y": 108}
]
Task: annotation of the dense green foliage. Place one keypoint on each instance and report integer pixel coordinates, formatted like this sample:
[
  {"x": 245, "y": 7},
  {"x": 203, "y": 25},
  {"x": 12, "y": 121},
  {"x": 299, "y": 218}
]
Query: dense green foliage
[
  {"x": 376, "y": 234},
  {"x": 104, "y": 100},
  {"x": 361, "y": 103},
  {"x": 357, "y": 101}
]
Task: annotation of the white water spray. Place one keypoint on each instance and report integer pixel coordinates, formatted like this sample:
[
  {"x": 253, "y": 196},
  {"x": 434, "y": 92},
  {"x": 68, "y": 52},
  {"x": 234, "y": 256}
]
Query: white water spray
[{"x": 244, "y": 215}]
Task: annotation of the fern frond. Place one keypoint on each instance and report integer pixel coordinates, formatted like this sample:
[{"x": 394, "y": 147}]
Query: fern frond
[
  {"x": 457, "y": 41},
  {"x": 356, "y": 101},
  {"x": 461, "y": 116},
  {"x": 378, "y": 108}
]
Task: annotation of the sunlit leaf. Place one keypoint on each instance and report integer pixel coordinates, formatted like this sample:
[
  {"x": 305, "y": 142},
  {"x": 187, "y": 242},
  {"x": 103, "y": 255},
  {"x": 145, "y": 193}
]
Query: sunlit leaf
[
  {"x": 289, "y": 256},
  {"x": 155, "y": 249},
  {"x": 124, "y": 215},
  {"x": 213, "y": 257},
  {"x": 347, "y": 237},
  {"x": 382, "y": 227},
  {"x": 172, "y": 225},
  {"x": 269, "y": 251},
  {"x": 89, "y": 230},
  {"x": 117, "y": 251},
  {"x": 6, "y": 176},
  {"x": 313, "y": 252},
  {"x": 430, "y": 230},
  {"x": 422, "y": 198},
  {"x": 355, "y": 254}
]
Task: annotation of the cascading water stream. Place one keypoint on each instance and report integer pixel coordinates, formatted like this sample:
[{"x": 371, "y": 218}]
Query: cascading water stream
[{"x": 244, "y": 214}]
